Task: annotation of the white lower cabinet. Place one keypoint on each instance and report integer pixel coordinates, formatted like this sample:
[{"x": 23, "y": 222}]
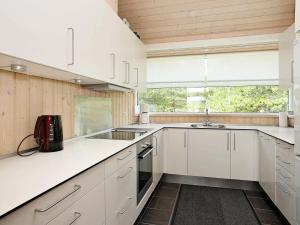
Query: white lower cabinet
[
  {"x": 209, "y": 153},
  {"x": 157, "y": 156},
  {"x": 120, "y": 192},
  {"x": 286, "y": 200},
  {"x": 90, "y": 209},
  {"x": 47, "y": 207},
  {"x": 175, "y": 146},
  {"x": 267, "y": 165},
  {"x": 244, "y": 155}
]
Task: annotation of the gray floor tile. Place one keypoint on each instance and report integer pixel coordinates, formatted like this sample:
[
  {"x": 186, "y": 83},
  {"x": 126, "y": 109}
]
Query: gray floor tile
[
  {"x": 162, "y": 203},
  {"x": 157, "y": 217},
  {"x": 260, "y": 203}
]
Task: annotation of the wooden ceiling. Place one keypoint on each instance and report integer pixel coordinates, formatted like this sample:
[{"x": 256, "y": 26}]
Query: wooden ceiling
[{"x": 161, "y": 21}]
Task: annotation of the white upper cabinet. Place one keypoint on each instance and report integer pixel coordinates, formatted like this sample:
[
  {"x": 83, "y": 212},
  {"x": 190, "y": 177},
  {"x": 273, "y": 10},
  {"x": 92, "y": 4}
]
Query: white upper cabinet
[
  {"x": 209, "y": 153},
  {"x": 175, "y": 154},
  {"x": 244, "y": 155},
  {"x": 35, "y": 30},
  {"x": 90, "y": 34},
  {"x": 85, "y": 39},
  {"x": 286, "y": 58}
]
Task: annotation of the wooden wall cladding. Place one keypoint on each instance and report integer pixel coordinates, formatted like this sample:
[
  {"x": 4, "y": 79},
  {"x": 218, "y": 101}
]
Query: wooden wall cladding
[
  {"x": 23, "y": 98},
  {"x": 232, "y": 119},
  {"x": 113, "y": 4}
]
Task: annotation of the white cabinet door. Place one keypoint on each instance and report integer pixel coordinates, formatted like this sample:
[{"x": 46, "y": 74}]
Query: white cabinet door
[
  {"x": 175, "y": 157},
  {"x": 244, "y": 156},
  {"x": 267, "y": 165},
  {"x": 209, "y": 153},
  {"x": 88, "y": 210},
  {"x": 286, "y": 46},
  {"x": 35, "y": 31},
  {"x": 157, "y": 156},
  {"x": 91, "y": 37}
]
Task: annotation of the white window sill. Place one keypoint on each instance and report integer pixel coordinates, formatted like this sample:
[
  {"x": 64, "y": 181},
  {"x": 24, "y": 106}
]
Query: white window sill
[{"x": 274, "y": 115}]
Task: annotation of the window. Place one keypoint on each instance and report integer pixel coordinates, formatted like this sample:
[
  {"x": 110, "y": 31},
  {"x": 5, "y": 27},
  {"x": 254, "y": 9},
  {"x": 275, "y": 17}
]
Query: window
[{"x": 251, "y": 99}]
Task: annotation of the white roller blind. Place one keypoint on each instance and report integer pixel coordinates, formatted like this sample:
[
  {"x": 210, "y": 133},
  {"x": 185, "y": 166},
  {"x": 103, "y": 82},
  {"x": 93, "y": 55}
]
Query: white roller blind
[
  {"x": 175, "y": 70},
  {"x": 247, "y": 67},
  {"x": 227, "y": 69}
]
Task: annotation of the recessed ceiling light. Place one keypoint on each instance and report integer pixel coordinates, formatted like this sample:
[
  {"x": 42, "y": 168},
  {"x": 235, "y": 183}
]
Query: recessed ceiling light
[
  {"x": 77, "y": 81},
  {"x": 18, "y": 68}
]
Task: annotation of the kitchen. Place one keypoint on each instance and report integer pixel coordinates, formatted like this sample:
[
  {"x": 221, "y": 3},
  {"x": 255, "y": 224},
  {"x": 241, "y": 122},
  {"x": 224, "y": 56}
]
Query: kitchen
[{"x": 149, "y": 112}]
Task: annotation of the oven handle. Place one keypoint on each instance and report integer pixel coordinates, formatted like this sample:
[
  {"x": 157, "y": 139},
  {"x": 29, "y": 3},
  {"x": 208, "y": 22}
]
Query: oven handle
[{"x": 147, "y": 152}]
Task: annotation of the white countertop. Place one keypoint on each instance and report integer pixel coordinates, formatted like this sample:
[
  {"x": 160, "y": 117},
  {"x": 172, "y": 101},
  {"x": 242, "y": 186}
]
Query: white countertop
[{"x": 24, "y": 178}]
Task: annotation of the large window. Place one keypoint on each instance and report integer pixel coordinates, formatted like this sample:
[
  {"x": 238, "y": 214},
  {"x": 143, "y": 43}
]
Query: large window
[{"x": 266, "y": 99}]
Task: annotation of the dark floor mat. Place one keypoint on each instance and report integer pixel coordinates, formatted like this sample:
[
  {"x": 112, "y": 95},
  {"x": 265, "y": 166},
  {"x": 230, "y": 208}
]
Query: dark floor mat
[{"x": 213, "y": 206}]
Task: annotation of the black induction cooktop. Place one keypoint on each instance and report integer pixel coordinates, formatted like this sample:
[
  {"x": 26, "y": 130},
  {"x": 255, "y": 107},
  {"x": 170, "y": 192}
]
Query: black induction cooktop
[{"x": 118, "y": 135}]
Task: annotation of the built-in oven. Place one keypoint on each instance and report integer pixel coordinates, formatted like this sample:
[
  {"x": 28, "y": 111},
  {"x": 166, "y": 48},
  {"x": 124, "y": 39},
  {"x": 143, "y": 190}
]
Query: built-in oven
[{"x": 144, "y": 166}]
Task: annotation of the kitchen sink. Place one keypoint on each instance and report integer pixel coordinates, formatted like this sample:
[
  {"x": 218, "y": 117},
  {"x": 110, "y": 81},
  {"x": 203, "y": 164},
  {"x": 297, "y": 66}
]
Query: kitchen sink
[{"x": 208, "y": 125}]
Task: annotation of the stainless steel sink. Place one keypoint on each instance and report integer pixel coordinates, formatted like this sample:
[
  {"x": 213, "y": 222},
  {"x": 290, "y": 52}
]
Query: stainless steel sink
[{"x": 207, "y": 124}]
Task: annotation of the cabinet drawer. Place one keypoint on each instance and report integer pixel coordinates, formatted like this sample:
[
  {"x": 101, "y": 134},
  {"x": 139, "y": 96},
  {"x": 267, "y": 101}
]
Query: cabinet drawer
[
  {"x": 125, "y": 215},
  {"x": 286, "y": 201},
  {"x": 120, "y": 159},
  {"x": 121, "y": 190},
  {"x": 285, "y": 176},
  {"x": 90, "y": 209},
  {"x": 285, "y": 156},
  {"x": 49, "y": 205}
]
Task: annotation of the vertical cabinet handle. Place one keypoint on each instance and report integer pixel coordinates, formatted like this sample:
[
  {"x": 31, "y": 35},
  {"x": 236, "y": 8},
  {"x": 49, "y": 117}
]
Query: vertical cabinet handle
[
  {"x": 292, "y": 71},
  {"x": 137, "y": 77},
  {"x": 155, "y": 145},
  {"x": 73, "y": 40},
  {"x": 128, "y": 72},
  {"x": 227, "y": 141},
  {"x": 77, "y": 216},
  {"x": 184, "y": 143},
  {"x": 234, "y": 141},
  {"x": 113, "y": 57},
  {"x": 126, "y": 64}
]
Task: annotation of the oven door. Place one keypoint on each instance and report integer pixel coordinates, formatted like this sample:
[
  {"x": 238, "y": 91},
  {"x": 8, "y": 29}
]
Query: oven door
[{"x": 145, "y": 172}]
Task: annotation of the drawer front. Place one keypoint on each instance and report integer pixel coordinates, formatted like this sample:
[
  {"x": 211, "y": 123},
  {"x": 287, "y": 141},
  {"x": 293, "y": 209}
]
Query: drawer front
[
  {"x": 286, "y": 201},
  {"x": 90, "y": 209},
  {"x": 49, "y": 205},
  {"x": 119, "y": 160},
  {"x": 285, "y": 176},
  {"x": 126, "y": 215},
  {"x": 121, "y": 190},
  {"x": 285, "y": 156}
]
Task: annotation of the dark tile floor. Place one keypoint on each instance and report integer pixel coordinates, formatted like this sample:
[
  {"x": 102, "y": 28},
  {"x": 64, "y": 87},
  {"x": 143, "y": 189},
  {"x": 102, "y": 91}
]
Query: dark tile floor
[
  {"x": 161, "y": 205},
  {"x": 265, "y": 210}
]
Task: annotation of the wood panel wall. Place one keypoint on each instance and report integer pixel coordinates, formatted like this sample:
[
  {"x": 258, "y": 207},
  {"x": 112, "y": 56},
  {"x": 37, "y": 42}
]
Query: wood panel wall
[
  {"x": 23, "y": 98},
  {"x": 230, "y": 119},
  {"x": 113, "y": 4}
]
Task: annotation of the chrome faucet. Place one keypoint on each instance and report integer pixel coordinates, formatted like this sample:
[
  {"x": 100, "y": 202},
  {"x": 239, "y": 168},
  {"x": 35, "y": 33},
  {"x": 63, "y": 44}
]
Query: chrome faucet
[
  {"x": 206, "y": 115},
  {"x": 206, "y": 122}
]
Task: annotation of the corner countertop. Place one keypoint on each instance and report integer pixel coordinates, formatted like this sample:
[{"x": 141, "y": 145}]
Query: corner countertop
[{"x": 23, "y": 179}]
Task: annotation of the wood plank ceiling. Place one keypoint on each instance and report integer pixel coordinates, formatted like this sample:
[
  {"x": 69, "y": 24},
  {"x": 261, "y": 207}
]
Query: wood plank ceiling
[{"x": 161, "y": 21}]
